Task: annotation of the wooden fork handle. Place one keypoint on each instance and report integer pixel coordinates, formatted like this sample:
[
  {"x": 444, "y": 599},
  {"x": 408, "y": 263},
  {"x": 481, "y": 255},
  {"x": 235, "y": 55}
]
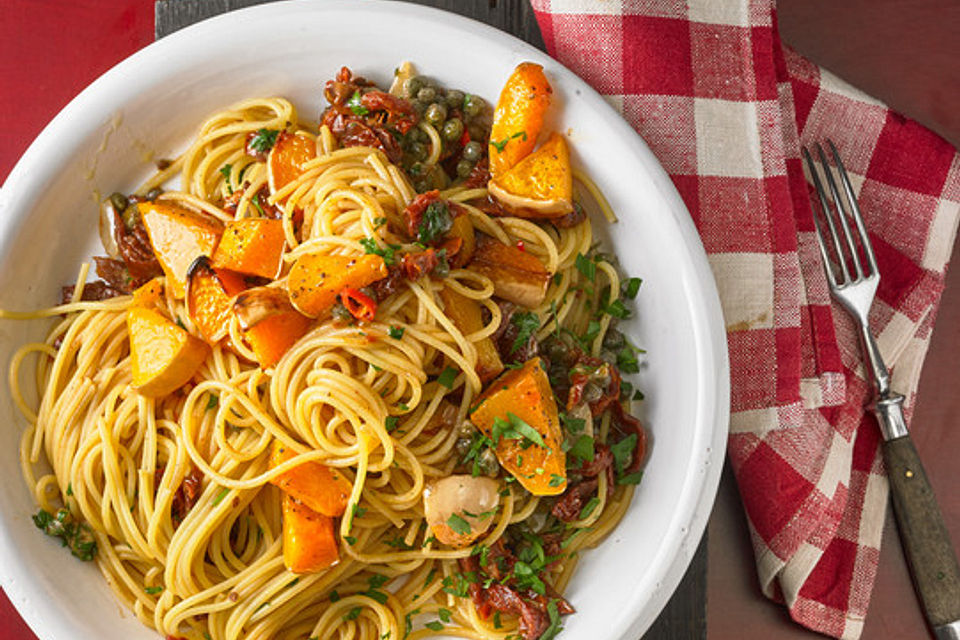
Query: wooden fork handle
[{"x": 926, "y": 541}]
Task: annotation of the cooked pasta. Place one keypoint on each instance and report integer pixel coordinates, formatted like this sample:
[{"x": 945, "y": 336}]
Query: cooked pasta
[{"x": 182, "y": 491}]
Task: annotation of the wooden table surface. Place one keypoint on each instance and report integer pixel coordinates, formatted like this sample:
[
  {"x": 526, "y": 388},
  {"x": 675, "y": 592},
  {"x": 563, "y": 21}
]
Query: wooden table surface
[{"x": 913, "y": 67}]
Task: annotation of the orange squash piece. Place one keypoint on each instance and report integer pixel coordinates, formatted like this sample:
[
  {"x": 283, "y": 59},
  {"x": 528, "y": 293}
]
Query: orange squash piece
[
  {"x": 285, "y": 163},
  {"x": 309, "y": 541},
  {"x": 526, "y": 393},
  {"x": 540, "y": 185},
  {"x": 178, "y": 235},
  {"x": 466, "y": 315},
  {"x": 163, "y": 356},
  {"x": 518, "y": 116},
  {"x": 270, "y": 324},
  {"x": 518, "y": 276},
  {"x": 322, "y": 488},
  {"x": 251, "y": 245},
  {"x": 316, "y": 280},
  {"x": 148, "y": 295},
  {"x": 209, "y": 303}
]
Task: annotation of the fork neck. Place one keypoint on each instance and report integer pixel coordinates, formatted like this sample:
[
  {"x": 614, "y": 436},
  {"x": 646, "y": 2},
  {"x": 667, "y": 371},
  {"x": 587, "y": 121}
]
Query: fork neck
[{"x": 880, "y": 374}]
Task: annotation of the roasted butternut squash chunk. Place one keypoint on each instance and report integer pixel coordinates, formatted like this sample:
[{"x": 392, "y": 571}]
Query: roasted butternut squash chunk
[
  {"x": 252, "y": 245},
  {"x": 309, "y": 541},
  {"x": 287, "y": 157},
  {"x": 322, "y": 488},
  {"x": 316, "y": 280},
  {"x": 270, "y": 324},
  {"x": 209, "y": 303},
  {"x": 466, "y": 315},
  {"x": 540, "y": 185},
  {"x": 163, "y": 356},
  {"x": 148, "y": 295},
  {"x": 178, "y": 235},
  {"x": 518, "y": 116},
  {"x": 517, "y": 275},
  {"x": 523, "y": 397}
]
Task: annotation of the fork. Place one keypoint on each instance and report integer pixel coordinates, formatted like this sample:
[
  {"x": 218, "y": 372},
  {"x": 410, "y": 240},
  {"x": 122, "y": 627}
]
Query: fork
[{"x": 851, "y": 269}]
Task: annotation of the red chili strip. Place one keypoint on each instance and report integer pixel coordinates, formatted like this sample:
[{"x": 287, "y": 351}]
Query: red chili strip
[{"x": 360, "y": 305}]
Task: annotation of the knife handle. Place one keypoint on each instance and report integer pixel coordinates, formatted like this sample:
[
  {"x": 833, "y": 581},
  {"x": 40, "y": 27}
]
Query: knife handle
[{"x": 926, "y": 541}]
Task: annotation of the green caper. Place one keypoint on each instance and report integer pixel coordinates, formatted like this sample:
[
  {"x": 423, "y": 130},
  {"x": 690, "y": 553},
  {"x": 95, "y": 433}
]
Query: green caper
[
  {"x": 473, "y": 105},
  {"x": 418, "y": 150},
  {"x": 452, "y": 129},
  {"x": 477, "y": 132},
  {"x": 613, "y": 340},
  {"x": 436, "y": 113},
  {"x": 466, "y": 429},
  {"x": 464, "y": 167},
  {"x": 340, "y": 314},
  {"x": 455, "y": 99},
  {"x": 118, "y": 201},
  {"x": 591, "y": 392},
  {"x": 462, "y": 446},
  {"x": 418, "y": 107},
  {"x": 130, "y": 216},
  {"x": 412, "y": 85},
  {"x": 487, "y": 461},
  {"x": 427, "y": 94},
  {"x": 472, "y": 151}
]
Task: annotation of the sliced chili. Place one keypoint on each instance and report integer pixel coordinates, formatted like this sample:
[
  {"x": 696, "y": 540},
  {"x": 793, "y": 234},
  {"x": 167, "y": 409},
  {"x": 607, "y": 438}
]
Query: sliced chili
[{"x": 360, "y": 305}]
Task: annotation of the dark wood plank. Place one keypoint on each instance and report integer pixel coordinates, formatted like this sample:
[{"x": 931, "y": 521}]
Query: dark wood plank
[{"x": 684, "y": 617}]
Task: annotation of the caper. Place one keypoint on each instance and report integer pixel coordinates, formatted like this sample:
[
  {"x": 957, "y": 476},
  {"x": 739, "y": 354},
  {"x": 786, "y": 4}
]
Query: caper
[
  {"x": 462, "y": 446},
  {"x": 452, "y": 129},
  {"x": 436, "y": 113},
  {"x": 153, "y": 194},
  {"x": 439, "y": 177},
  {"x": 613, "y": 340},
  {"x": 418, "y": 107},
  {"x": 488, "y": 464},
  {"x": 464, "y": 167},
  {"x": 418, "y": 150},
  {"x": 591, "y": 393},
  {"x": 340, "y": 314},
  {"x": 466, "y": 429},
  {"x": 556, "y": 350},
  {"x": 473, "y": 105},
  {"x": 427, "y": 94},
  {"x": 119, "y": 201},
  {"x": 477, "y": 132},
  {"x": 455, "y": 99},
  {"x": 412, "y": 86},
  {"x": 472, "y": 151},
  {"x": 130, "y": 216}
]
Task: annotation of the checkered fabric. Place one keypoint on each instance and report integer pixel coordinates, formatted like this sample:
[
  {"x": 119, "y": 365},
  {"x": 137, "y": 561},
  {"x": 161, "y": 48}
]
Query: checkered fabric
[{"x": 725, "y": 108}]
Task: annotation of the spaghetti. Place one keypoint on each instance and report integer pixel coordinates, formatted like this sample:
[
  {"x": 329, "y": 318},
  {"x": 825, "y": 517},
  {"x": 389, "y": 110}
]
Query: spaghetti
[{"x": 180, "y": 492}]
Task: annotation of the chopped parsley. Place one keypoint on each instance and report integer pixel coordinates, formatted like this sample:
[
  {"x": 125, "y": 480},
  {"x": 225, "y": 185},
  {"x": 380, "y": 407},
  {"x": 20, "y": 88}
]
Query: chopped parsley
[
  {"x": 501, "y": 145},
  {"x": 627, "y": 360},
  {"x": 555, "y": 627},
  {"x": 356, "y": 106},
  {"x": 350, "y": 540},
  {"x": 436, "y": 625},
  {"x": 630, "y": 288},
  {"x": 447, "y": 377},
  {"x": 459, "y": 525},
  {"x": 435, "y": 223},
  {"x": 387, "y": 253},
  {"x": 589, "y": 507},
  {"x": 334, "y": 596},
  {"x": 353, "y": 614},
  {"x": 458, "y": 584},
  {"x": 213, "y": 401},
  {"x": 444, "y": 614},
  {"x": 515, "y": 428},
  {"x": 631, "y": 478},
  {"x": 263, "y": 140},
  {"x": 225, "y": 171},
  {"x": 555, "y": 480},
  {"x": 526, "y": 322},
  {"x": 582, "y": 448},
  {"x": 623, "y": 452},
  {"x": 587, "y": 267},
  {"x": 153, "y": 590},
  {"x": 220, "y": 496},
  {"x": 396, "y": 332},
  {"x": 391, "y": 423},
  {"x": 617, "y": 309}
]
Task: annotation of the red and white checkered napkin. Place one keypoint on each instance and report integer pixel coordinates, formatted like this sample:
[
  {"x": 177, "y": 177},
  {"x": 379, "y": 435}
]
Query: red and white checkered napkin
[{"x": 725, "y": 108}]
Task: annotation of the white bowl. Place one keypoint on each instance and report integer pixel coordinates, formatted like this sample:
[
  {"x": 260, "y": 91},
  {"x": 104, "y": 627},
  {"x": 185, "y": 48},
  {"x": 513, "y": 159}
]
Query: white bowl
[{"x": 153, "y": 102}]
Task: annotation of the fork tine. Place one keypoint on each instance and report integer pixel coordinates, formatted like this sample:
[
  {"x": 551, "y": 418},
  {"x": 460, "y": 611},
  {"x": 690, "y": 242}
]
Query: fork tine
[
  {"x": 854, "y": 208},
  {"x": 838, "y": 201},
  {"x": 825, "y": 206}
]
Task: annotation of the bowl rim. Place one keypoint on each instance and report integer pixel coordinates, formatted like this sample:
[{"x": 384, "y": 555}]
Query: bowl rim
[{"x": 713, "y": 410}]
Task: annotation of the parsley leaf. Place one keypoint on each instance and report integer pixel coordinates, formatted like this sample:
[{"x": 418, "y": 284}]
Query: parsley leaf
[
  {"x": 356, "y": 106},
  {"x": 631, "y": 478},
  {"x": 499, "y": 146},
  {"x": 391, "y": 423},
  {"x": 459, "y": 525},
  {"x": 263, "y": 140},
  {"x": 220, "y": 496},
  {"x": 526, "y": 322},
  {"x": 436, "y": 221},
  {"x": 353, "y": 614},
  {"x": 75, "y": 535},
  {"x": 627, "y": 360},
  {"x": 396, "y": 332},
  {"x": 447, "y": 376},
  {"x": 434, "y": 626},
  {"x": 617, "y": 309},
  {"x": 630, "y": 288},
  {"x": 589, "y": 507},
  {"x": 587, "y": 267},
  {"x": 555, "y": 627},
  {"x": 153, "y": 590},
  {"x": 514, "y": 428},
  {"x": 555, "y": 480},
  {"x": 387, "y": 253},
  {"x": 623, "y": 452},
  {"x": 582, "y": 448}
]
